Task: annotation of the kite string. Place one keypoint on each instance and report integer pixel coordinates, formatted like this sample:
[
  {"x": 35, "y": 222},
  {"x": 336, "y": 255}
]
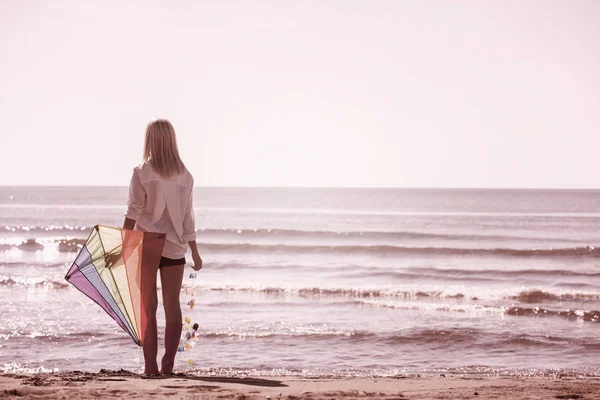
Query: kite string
[{"x": 188, "y": 340}]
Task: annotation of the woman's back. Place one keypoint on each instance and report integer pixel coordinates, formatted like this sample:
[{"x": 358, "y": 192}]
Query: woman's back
[{"x": 163, "y": 204}]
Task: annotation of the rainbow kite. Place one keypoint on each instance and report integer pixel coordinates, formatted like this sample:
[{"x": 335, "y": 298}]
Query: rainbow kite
[{"x": 115, "y": 268}]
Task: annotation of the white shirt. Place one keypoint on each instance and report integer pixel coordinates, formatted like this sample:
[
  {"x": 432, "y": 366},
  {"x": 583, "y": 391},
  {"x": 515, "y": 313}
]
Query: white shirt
[{"x": 163, "y": 205}]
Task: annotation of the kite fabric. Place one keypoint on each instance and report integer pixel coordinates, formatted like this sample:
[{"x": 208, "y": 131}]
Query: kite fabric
[{"x": 115, "y": 268}]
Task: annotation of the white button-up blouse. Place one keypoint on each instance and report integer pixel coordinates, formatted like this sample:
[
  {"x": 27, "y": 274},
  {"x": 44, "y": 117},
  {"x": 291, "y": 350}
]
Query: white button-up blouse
[{"x": 165, "y": 205}]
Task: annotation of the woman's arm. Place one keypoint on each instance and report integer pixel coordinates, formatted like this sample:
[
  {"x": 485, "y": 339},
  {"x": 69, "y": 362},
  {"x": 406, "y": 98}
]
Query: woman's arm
[
  {"x": 135, "y": 201},
  {"x": 189, "y": 230},
  {"x": 129, "y": 224},
  {"x": 195, "y": 255}
]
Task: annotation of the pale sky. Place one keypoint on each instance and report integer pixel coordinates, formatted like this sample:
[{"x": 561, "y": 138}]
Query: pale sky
[{"x": 341, "y": 93}]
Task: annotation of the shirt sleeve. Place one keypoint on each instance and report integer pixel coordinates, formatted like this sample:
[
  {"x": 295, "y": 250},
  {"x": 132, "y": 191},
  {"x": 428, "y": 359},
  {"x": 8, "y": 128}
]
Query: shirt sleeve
[
  {"x": 137, "y": 197},
  {"x": 189, "y": 223}
]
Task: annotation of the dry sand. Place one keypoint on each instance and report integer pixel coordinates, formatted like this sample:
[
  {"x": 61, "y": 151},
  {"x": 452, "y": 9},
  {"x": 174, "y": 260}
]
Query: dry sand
[{"x": 127, "y": 385}]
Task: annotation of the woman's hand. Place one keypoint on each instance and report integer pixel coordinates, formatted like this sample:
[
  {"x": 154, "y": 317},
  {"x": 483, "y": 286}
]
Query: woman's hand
[
  {"x": 197, "y": 262},
  {"x": 195, "y": 255}
]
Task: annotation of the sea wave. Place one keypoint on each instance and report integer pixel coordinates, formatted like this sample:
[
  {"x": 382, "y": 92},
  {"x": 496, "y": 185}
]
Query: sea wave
[
  {"x": 377, "y": 250},
  {"x": 49, "y": 337},
  {"x": 11, "y": 281},
  {"x": 277, "y": 235},
  {"x": 593, "y": 315},
  {"x": 36, "y": 205},
  {"x": 471, "y": 337},
  {"x": 525, "y": 296},
  {"x": 585, "y": 315},
  {"x": 283, "y": 234},
  {"x": 458, "y": 337},
  {"x": 32, "y": 263},
  {"x": 281, "y": 241},
  {"x": 539, "y": 296},
  {"x": 315, "y": 292},
  {"x": 461, "y": 276},
  {"x": 388, "y": 250},
  {"x": 36, "y": 244},
  {"x": 451, "y": 337},
  {"x": 298, "y": 332},
  {"x": 507, "y": 273}
]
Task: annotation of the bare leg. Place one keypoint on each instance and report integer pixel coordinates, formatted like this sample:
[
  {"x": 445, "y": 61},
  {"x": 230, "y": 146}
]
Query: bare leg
[
  {"x": 171, "y": 278},
  {"x": 150, "y": 344}
]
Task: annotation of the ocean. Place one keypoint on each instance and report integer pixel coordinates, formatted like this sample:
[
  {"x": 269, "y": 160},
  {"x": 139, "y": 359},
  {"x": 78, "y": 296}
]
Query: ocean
[{"x": 326, "y": 282}]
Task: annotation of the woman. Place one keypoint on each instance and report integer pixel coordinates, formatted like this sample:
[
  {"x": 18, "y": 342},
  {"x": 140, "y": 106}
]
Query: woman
[{"x": 161, "y": 200}]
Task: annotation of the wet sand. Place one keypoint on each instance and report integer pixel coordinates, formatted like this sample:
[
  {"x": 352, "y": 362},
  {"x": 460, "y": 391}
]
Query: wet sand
[{"x": 127, "y": 385}]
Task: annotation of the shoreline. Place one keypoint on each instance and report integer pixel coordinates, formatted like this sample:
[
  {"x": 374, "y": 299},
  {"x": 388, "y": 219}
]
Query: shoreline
[{"x": 125, "y": 385}]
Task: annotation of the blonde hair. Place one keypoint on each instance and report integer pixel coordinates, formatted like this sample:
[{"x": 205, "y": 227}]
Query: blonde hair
[{"x": 160, "y": 148}]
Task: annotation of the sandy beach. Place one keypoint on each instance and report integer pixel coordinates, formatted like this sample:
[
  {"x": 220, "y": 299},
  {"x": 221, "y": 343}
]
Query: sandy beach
[{"x": 126, "y": 385}]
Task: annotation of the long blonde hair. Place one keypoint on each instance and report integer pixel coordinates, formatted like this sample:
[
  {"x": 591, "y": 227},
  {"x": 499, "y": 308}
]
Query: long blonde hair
[{"x": 160, "y": 148}]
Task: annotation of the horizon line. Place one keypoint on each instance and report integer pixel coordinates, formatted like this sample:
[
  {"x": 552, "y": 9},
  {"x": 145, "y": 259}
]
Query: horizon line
[{"x": 326, "y": 187}]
